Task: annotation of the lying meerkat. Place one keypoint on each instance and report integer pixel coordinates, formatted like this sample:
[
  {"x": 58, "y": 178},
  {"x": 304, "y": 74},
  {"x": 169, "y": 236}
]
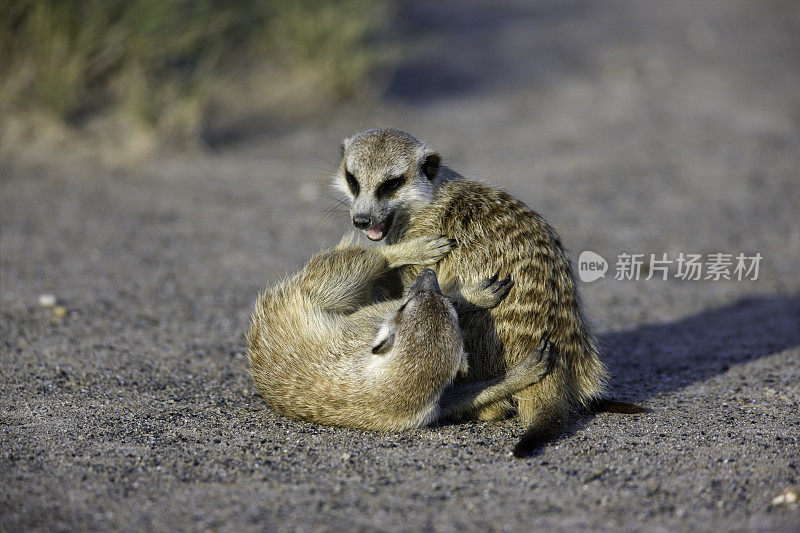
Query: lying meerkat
[
  {"x": 399, "y": 191},
  {"x": 319, "y": 351}
]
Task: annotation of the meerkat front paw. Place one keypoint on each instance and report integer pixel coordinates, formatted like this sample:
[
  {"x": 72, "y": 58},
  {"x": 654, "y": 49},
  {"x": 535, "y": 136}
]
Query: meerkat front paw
[
  {"x": 427, "y": 250},
  {"x": 432, "y": 248},
  {"x": 490, "y": 292}
]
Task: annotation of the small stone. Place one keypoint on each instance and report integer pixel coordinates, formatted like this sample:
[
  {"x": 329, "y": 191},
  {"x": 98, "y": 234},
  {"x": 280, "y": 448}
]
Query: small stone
[
  {"x": 47, "y": 300},
  {"x": 59, "y": 311},
  {"x": 789, "y": 496}
]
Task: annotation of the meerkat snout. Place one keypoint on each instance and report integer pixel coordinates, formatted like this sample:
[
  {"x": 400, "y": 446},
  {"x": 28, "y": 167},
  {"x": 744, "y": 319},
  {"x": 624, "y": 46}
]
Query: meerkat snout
[
  {"x": 362, "y": 221},
  {"x": 425, "y": 282},
  {"x": 376, "y": 230}
]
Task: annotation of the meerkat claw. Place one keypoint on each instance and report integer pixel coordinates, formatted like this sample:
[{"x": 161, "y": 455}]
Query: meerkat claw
[
  {"x": 504, "y": 286},
  {"x": 488, "y": 282}
]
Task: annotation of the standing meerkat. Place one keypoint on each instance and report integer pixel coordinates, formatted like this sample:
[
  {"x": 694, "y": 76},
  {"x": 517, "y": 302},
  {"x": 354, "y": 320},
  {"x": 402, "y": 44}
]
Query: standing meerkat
[
  {"x": 399, "y": 191},
  {"x": 319, "y": 352}
]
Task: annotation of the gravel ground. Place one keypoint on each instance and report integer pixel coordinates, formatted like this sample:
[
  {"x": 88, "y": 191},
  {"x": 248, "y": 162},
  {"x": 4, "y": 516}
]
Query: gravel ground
[{"x": 638, "y": 127}]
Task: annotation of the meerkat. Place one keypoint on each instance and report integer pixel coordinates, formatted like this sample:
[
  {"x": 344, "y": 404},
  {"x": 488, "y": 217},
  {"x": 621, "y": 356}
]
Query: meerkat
[
  {"x": 399, "y": 190},
  {"x": 319, "y": 351}
]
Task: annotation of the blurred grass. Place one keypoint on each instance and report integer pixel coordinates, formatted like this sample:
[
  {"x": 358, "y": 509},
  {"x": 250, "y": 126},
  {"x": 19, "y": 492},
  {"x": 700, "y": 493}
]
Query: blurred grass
[{"x": 164, "y": 63}]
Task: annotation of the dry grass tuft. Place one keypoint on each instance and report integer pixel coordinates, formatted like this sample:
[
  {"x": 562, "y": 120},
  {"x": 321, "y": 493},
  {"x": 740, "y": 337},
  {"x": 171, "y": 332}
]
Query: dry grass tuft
[{"x": 160, "y": 65}]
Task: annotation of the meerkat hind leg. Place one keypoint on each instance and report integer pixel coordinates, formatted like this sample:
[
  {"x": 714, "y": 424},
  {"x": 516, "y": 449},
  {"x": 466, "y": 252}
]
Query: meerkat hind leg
[
  {"x": 462, "y": 398},
  {"x": 496, "y": 411}
]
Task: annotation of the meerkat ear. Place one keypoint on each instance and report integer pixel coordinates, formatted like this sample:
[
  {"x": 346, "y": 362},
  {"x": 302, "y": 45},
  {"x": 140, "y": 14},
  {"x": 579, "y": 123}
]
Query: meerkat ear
[
  {"x": 430, "y": 165},
  {"x": 384, "y": 340},
  {"x": 342, "y": 147}
]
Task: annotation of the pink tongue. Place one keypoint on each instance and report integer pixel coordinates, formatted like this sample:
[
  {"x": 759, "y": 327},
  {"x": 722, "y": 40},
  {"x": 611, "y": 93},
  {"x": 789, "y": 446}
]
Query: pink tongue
[{"x": 375, "y": 233}]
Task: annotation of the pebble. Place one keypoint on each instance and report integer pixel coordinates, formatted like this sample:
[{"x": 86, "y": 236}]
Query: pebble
[
  {"x": 47, "y": 300},
  {"x": 789, "y": 496}
]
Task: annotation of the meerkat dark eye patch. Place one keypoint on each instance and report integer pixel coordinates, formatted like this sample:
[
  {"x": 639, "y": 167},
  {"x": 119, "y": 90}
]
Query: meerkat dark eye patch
[
  {"x": 390, "y": 186},
  {"x": 352, "y": 182}
]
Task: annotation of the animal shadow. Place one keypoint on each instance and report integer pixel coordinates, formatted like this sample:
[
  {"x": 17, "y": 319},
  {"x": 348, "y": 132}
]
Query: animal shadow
[{"x": 660, "y": 358}]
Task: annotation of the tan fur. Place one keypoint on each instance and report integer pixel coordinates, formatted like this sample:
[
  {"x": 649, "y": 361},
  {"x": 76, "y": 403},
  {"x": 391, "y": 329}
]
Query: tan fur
[
  {"x": 495, "y": 233},
  {"x": 319, "y": 351}
]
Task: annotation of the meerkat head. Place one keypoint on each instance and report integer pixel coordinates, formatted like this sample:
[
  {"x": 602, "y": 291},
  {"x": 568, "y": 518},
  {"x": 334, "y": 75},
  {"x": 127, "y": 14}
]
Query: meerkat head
[
  {"x": 425, "y": 318},
  {"x": 387, "y": 174}
]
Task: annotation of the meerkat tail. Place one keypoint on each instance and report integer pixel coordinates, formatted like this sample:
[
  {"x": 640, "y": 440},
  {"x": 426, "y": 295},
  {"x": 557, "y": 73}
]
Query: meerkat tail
[
  {"x": 549, "y": 422},
  {"x": 604, "y": 405},
  {"x": 546, "y": 425}
]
